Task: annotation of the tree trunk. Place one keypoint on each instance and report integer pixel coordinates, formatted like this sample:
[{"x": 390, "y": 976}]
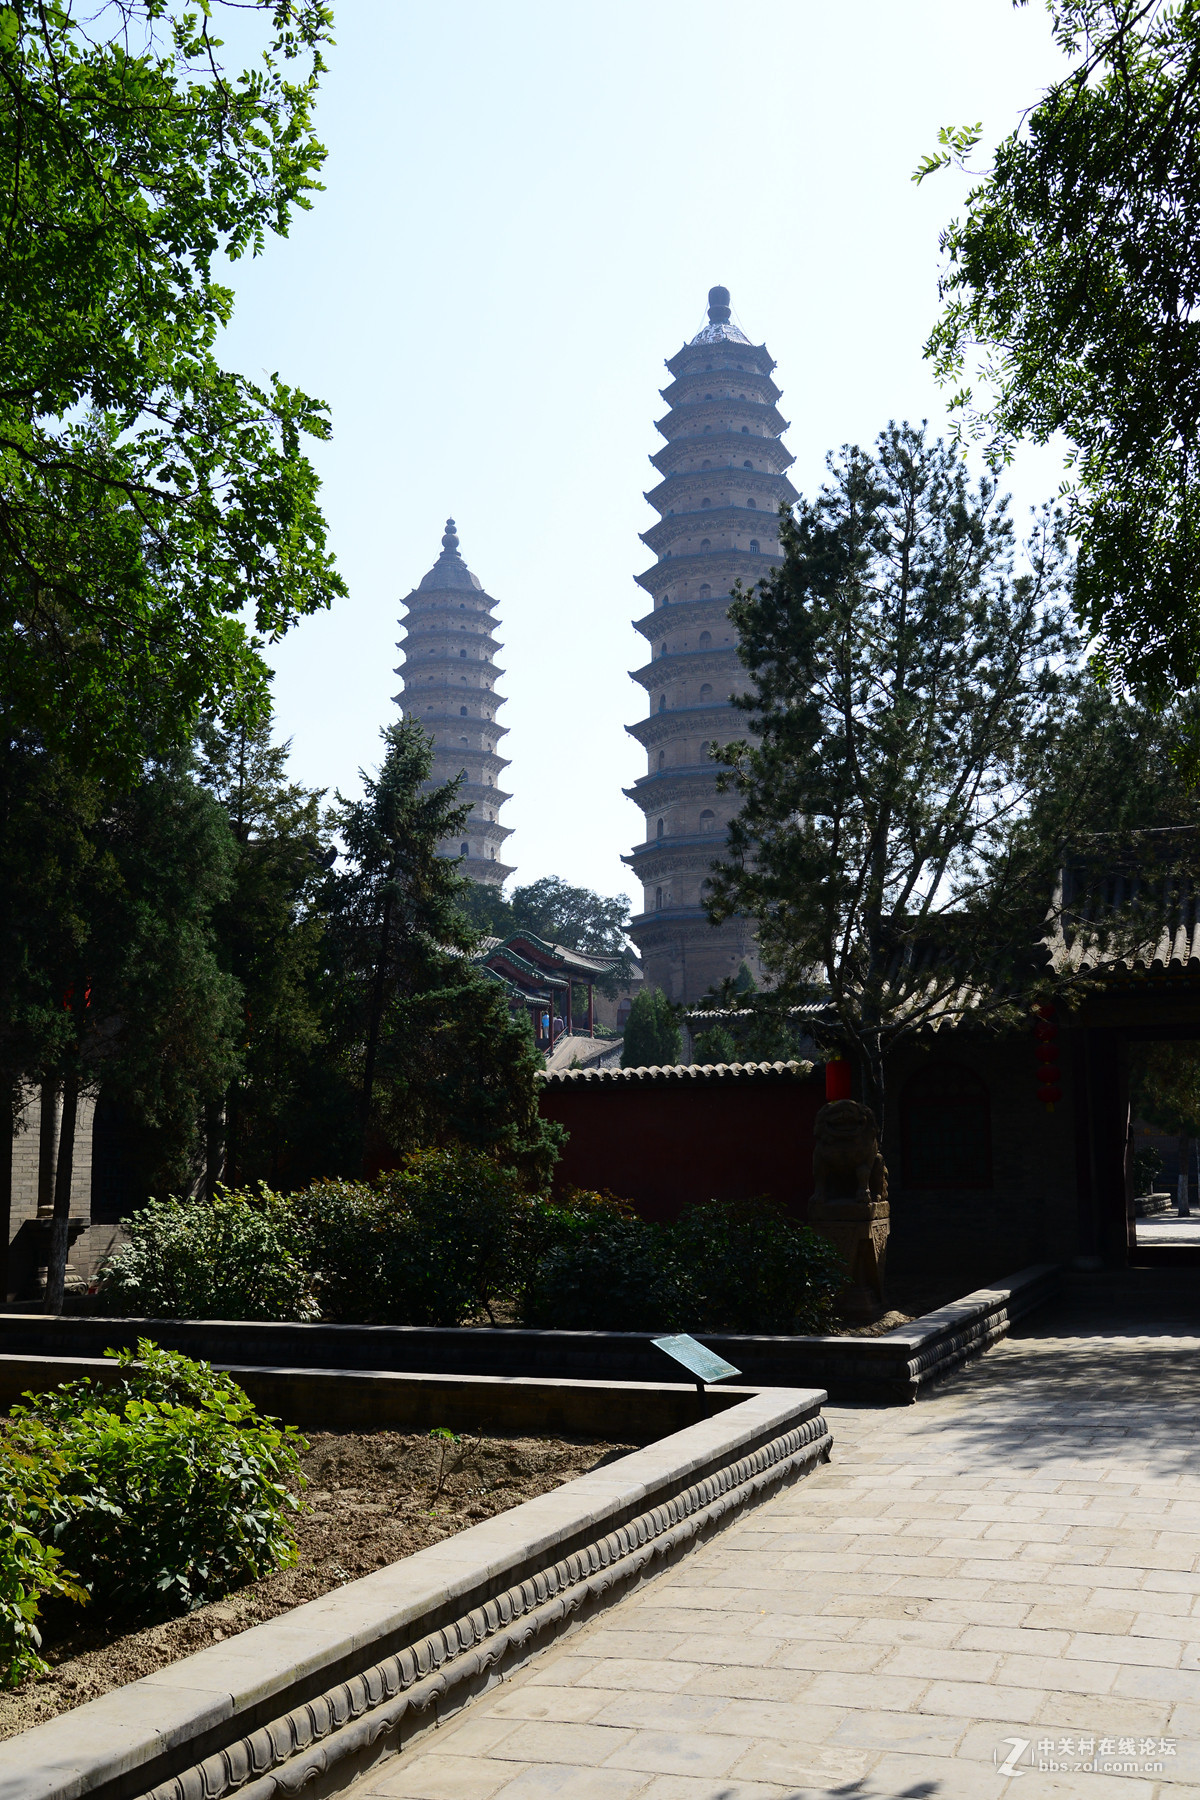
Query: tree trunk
[
  {"x": 374, "y": 1023},
  {"x": 232, "y": 1122},
  {"x": 48, "y": 1095},
  {"x": 8, "y": 1101},
  {"x": 1185, "y": 1162},
  {"x": 214, "y": 1147},
  {"x": 60, "y": 1236}
]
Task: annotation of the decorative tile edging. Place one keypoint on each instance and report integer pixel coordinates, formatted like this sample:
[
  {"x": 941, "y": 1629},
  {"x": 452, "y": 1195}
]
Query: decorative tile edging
[
  {"x": 421, "y": 1636},
  {"x": 311, "y": 1740}
]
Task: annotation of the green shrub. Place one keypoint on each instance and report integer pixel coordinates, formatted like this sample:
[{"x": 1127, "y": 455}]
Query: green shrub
[
  {"x": 612, "y": 1274},
  {"x": 171, "y": 1489},
  {"x": 435, "y": 1242},
  {"x": 30, "y": 1570},
  {"x": 236, "y": 1257},
  {"x": 724, "y": 1266},
  {"x": 748, "y": 1267}
]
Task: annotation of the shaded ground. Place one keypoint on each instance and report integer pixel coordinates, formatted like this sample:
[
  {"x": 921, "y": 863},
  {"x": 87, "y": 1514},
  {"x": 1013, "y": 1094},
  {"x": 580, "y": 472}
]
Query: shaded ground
[{"x": 373, "y": 1498}]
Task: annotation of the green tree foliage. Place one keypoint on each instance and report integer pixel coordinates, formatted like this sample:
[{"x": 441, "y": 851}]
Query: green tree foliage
[
  {"x": 717, "y": 1045},
  {"x": 1069, "y": 290},
  {"x": 169, "y": 1488},
  {"x": 1164, "y": 1086},
  {"x": 552, "y": 909},
  {"x": 149, "y": 498},
  {"x": 145, "y": 1009},
  {"x": 435, "y": 1055},
  {"x": 907, "y": 683},
  {"x": 652, "y": 1034},
  {"x": 285, "y": 1112}
]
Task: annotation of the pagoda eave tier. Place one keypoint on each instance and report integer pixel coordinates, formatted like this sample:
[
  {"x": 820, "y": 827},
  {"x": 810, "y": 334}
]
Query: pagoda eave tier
[
  {"x": 726, "y": 444},
  {"x": 445, "y": 599},
  {"x": 727, "y": 350},
  {"x": 673, "y": 786},
  {"x": 449, "y": 695},
  {"x": 687, "y": 422},
  {"x": 760, "y": 389},
  {"x": 478, "y": 793},
  {"x": 490, "y": 830},
  {"x": 447, "y": 641},
  {"x": 661, "y": 727},
  {"x": 685, "y": 853},
  {"x": 683, "y": 615},
  {"x": 679, "y": 496},
  {"x": 488, "y": 763},
  {"x": 721, "y": 665},
  {"x": 425, "y": 672},
  {"x": 484, "y": 869},
  {"x": 736, "y": 521},
  {"x": 720, "y": 568}
]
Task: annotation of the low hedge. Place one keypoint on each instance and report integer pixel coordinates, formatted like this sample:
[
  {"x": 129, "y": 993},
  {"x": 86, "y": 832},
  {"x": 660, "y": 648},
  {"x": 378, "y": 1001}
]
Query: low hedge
[{"x": 452, "y": 1237}]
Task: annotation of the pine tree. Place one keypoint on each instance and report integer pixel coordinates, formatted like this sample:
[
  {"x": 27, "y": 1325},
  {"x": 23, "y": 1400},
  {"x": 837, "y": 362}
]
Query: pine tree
[
  {"x": 434, "y": 1051},
  {"x": 283, "y": 1115},
  {"x": 148, "y": 1011}
]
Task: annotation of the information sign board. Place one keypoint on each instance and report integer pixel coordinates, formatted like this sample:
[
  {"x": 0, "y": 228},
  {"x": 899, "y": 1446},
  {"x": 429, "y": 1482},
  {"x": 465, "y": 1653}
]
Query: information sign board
[{"x": 704, "y": 1364}]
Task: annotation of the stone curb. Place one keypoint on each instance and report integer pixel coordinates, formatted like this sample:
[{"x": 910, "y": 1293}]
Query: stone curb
[
  {"x": 308, "y": 1695},
  {"x": 892, "y": 1369}
]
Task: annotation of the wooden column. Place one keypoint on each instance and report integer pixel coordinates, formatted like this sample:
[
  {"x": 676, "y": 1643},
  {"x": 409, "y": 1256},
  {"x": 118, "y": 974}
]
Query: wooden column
[{"x": 591, "y": 1010}]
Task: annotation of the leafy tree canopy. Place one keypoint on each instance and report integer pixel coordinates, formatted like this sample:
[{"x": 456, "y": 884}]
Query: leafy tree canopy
[
  {"x": 909, "y": 683},
  {"x": 1070, "y": 289},
  {"x": 149, "y": 498}
]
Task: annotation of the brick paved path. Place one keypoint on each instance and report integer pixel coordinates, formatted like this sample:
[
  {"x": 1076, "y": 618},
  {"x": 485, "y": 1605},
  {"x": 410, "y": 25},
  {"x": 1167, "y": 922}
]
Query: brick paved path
[{"x": 1016, "y": 1557}]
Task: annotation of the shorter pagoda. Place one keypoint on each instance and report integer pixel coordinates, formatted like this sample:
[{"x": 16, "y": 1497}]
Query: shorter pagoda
[{"x": 449, "y": 686}]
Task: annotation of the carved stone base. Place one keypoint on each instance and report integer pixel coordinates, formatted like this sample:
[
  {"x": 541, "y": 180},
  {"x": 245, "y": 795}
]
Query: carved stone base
[{"x": 858, "y": 1231}]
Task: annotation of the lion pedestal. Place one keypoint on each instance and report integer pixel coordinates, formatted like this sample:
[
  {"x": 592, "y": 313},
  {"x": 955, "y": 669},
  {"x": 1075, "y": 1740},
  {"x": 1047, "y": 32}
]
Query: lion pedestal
[{"x": 850, "y": 1203}]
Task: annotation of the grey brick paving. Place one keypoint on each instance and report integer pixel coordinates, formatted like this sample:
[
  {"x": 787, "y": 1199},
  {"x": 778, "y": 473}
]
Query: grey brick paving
[{"x": 1016, "y": 1557}]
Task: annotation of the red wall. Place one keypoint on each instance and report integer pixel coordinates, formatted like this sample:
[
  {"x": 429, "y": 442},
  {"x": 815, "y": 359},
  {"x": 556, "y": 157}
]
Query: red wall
[{"x": 663, "y": 1144}]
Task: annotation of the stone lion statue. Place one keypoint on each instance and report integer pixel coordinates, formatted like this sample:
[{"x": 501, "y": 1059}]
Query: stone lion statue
[
  {"x": 846, "y": 1160},
  {"x": 850, "y": 1202}
]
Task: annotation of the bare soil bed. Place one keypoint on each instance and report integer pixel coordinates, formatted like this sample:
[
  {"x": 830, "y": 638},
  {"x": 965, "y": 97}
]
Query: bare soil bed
[{"x": 372, "y": 1498}]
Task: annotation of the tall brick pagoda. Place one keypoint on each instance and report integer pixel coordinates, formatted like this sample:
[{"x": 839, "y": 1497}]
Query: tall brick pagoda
[
  {"x": 449, "y": 686},
  {"x": 723, "y": 481}
]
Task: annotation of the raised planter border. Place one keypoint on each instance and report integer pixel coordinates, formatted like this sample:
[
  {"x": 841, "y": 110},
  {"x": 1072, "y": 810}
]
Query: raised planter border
[
  {"x": 624, "y": 1412},
  {"x": 319, "y": 1693},
  {"x": 892, "y": 1369}
]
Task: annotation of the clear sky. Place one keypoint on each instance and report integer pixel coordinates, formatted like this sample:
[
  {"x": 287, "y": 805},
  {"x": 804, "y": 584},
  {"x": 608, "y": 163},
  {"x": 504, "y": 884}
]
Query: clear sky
[{"x": 525, "y": 207}]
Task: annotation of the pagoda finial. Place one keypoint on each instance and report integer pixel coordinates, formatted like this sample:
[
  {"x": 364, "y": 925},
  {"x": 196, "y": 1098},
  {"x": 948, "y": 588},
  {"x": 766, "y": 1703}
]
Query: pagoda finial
[
  {"x": 450, "y": 537},
  {"x": 718, "y": 306}
]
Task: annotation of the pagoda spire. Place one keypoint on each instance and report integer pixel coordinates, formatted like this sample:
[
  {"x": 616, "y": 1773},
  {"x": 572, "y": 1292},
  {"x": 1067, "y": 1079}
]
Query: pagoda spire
[
  {"x": 723, "y": 479},
  {"x": 448, "y": 685}
]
